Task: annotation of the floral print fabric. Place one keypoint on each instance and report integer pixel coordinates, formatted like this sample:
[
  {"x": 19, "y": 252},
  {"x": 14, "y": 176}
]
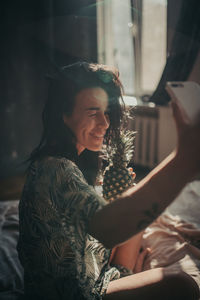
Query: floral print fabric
[{"x": 60, "y": 259}]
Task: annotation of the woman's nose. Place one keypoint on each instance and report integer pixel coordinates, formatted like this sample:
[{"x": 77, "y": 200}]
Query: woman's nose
[{"x": 104, "y": 121}]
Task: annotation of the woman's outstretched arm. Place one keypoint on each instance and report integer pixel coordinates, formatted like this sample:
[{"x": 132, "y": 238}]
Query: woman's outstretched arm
[{"x": 143, "y": 203}]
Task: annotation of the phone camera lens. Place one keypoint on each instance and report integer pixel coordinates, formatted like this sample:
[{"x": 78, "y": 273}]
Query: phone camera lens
[{"x": 177, "y": 85}]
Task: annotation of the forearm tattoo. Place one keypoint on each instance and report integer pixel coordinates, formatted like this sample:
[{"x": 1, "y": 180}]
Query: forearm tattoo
[{"x": 149, "y": 216}]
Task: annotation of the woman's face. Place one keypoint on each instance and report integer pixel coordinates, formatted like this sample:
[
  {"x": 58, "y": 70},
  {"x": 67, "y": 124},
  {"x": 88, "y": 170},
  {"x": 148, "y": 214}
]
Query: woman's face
[{"x": 89, "y": 120}]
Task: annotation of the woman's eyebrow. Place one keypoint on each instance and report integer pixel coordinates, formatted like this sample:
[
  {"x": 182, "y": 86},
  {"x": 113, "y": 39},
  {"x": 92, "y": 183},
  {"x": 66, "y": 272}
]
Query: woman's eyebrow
[{"x": 92, "y": 108}]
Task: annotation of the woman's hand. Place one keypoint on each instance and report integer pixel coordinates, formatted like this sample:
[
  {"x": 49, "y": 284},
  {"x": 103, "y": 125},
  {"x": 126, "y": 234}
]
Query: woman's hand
[
  {"x": 142, "y": 256},
  {"x": 188, "y": 148}
]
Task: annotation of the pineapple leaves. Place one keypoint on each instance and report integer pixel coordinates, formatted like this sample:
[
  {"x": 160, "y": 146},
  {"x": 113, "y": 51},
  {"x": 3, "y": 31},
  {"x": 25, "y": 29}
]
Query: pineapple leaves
[{"x": 120, "y": 148}]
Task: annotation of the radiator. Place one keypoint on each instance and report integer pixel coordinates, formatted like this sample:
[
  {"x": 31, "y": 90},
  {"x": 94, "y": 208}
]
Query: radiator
[
  {"x": 155, "y": 134},
  {"x": 145, "y": 124}
]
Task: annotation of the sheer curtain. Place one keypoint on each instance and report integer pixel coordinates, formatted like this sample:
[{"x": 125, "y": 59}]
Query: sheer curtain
[{"x": 184, "y": 49}]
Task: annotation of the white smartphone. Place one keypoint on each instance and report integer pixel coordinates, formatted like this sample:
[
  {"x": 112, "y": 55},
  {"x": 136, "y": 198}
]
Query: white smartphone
[{"x": 188, "y": 94}]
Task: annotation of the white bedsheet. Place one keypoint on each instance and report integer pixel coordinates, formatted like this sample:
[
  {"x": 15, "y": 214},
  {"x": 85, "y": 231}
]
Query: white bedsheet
[{"x": 175, "y": 236}]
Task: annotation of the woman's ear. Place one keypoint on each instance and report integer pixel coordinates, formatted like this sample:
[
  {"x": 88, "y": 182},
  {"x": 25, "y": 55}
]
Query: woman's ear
[{"x": 65, "y": 119}]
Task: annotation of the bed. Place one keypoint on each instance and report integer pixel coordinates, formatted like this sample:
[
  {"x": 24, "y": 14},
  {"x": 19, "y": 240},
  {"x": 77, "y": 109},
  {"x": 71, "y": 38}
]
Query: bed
[
  {"x": 11, "y": 272},
  {"x": 174, "y": 239}
]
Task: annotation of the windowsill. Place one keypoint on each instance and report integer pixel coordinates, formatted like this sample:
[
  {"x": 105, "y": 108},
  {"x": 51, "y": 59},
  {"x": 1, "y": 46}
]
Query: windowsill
[{"x": 137, "y": 101}]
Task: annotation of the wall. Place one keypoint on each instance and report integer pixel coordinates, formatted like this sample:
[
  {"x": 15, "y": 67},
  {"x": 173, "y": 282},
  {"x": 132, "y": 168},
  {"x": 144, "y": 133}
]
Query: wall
[{"x": 36, "y": 36}]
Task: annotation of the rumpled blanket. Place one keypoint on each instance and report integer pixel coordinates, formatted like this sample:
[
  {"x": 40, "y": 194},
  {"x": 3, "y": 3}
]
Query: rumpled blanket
[{"x": 174, "y": 244}]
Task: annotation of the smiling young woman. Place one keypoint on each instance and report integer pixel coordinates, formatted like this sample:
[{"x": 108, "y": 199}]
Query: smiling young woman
[{"x": 67, "y": 231}]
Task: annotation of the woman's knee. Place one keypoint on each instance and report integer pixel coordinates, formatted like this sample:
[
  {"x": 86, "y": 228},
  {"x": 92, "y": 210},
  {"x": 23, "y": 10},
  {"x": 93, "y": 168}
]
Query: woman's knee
[
  {"x": 182, "y": 286},
  {"x": 154, "y": 284}
]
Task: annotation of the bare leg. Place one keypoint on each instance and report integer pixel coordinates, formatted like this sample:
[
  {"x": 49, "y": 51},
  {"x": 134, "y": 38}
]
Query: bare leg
[
  {"x": 156, "y": 284},
  {"x": 127, "y": 254}
]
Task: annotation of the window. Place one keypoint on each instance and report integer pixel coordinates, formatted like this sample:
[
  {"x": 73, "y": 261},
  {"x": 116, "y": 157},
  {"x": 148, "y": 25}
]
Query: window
[{"x": 132, "y": 36}]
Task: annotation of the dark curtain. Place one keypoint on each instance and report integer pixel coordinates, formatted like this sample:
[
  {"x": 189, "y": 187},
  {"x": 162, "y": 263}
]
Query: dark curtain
[
  {"x": 183, "y": 52},
  {"x": 36, "y": 36}
]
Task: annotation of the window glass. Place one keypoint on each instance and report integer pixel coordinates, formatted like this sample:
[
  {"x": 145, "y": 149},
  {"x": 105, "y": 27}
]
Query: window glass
[
  {"x": 123, "y": 42},
  {"x": 153, "y": 42},
  {"x": 133, "y": 38}
]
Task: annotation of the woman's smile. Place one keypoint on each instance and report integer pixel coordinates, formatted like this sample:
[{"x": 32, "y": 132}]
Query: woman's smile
[{"x": 97, "y": 136}]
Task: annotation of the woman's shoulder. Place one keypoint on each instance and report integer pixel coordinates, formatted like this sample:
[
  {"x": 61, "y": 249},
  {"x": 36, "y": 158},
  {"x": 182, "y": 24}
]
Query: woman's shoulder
[
  {"x": 50, "y": 172},
  {"x": 57, "y": 167},
  {"x": 52, "y": 163}
]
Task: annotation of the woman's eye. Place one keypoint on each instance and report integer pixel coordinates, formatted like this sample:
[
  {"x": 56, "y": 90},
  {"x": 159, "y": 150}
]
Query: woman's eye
[
  {"x": 106, "y": 113},
  {"x": 93, "y": 115}
]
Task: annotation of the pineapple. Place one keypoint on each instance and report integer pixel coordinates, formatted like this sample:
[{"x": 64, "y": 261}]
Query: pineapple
[{"x": 117, "y": 177}]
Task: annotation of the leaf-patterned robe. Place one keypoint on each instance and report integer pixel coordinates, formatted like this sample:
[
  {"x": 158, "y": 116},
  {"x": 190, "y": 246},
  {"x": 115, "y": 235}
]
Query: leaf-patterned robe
[{"x": 60, "y": 259}]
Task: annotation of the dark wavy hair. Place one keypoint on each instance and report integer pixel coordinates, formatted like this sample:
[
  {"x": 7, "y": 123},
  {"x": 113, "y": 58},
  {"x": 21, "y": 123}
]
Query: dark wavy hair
[{"x": 57, "y": 139}]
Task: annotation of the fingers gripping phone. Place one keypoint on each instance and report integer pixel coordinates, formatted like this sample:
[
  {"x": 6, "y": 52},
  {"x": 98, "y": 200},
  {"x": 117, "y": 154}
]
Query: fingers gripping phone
[{"x": 188, "y": 94}]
